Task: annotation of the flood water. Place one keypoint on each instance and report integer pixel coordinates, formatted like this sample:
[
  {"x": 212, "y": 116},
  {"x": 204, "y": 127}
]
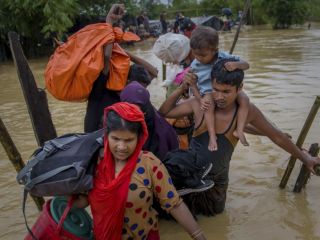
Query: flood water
[{"x": 283, "y": 81}]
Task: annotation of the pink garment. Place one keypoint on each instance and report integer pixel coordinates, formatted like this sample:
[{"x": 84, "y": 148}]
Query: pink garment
[
  {"x": 153, "y": 235},
  {"x": 179, "y": 78}
]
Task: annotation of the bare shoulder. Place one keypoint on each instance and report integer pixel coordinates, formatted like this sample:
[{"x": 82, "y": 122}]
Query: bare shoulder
[{"x": 254, "y": 113}]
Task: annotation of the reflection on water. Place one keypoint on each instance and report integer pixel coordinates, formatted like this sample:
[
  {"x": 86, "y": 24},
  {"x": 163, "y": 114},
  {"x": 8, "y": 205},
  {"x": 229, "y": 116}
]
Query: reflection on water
[{"x": 283, "y": 81}]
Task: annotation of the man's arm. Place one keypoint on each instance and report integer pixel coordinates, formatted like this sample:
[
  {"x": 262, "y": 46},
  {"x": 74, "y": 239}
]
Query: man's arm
[
  {"x": 171, "y": 109},
  {"x": 150, "y": 68},
  {"x": 115, "y": 13},
  {"x": 252, "y": 130},
  {"x": 107, "y": 50},
  {"x": 259, "y": 121}
]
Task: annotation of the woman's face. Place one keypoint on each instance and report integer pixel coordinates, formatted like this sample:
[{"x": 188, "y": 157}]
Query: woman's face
[{"x": 122, "y": 144}]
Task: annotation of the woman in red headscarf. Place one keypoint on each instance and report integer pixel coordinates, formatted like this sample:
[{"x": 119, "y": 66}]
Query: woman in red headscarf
[{"x": 126, "y": 180}]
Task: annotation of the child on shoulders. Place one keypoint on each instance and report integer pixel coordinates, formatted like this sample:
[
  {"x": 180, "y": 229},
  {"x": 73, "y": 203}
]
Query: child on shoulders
[{"x": 204, "y": 44}]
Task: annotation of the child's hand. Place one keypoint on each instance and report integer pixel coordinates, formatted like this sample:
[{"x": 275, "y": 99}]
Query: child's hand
[
  {"x": 205, "y": 104},
  {"x": 231, "y": 66}
]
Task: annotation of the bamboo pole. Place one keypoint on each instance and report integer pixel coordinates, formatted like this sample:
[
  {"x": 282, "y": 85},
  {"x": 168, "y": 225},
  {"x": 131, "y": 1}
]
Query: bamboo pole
[
  {"x": 236, "y": 36},
  {"x": 300, "y": 141},
  {"x": 164, "y": 71},
  {"x": 304, "y": 174},
  {"x": 15, "y": 157}
]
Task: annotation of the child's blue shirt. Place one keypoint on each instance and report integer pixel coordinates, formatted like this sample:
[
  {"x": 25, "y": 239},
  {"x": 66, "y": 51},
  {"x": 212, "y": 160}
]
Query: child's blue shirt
[{"x": 203, "y": 71}]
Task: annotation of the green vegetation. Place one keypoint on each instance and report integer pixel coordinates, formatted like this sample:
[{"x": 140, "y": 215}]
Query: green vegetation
[{"x": 38, "y": 21}]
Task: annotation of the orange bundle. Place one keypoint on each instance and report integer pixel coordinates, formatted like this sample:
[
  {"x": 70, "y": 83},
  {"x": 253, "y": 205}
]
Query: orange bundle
[{"x": 76, "y": 64}]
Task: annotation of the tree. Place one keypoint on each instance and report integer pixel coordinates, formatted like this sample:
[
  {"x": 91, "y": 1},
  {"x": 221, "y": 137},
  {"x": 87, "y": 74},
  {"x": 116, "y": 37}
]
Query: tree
[
  {"x": 35, "y": 21},
  {"x": 284, "y": 13}
]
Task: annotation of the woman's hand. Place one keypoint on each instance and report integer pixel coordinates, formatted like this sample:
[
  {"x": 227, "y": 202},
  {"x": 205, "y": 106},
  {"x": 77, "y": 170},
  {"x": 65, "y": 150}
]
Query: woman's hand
[
  {"x": 80, "y": 201},
  {"x": 115, "y": 13}
]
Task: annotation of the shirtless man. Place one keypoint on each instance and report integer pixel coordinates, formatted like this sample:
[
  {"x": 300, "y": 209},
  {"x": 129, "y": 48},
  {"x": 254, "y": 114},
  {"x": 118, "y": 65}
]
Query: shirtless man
[{"x": 225, "y": 87}]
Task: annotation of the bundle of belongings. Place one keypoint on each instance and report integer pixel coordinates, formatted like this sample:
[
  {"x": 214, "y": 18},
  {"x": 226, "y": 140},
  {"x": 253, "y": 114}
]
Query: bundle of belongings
[
  {"x": 187, "y": 174},
  {"x": 77, "y": 63}
]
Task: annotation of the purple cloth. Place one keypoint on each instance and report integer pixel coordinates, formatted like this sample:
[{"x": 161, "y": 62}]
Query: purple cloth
[{"x": 162, "y": 137}]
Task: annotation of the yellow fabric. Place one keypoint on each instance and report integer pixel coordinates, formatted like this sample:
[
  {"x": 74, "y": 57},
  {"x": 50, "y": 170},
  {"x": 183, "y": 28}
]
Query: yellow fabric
[{"x": 149, "y": 178}]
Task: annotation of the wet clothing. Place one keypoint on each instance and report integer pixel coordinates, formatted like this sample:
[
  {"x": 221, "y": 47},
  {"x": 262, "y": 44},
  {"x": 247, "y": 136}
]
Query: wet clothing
[
  {"x": 203, "y": 71},
  {"x": 99, "y": 98},
  {"x": 109, "y": 194},
  {"x": 150, "y": 179},
  {"x": 77, "y": 63},
  {"x": 162, "y": 137},
  {"x": 212, "y": 201}
]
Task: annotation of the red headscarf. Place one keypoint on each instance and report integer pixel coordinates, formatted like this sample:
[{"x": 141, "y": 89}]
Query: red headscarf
[{"x": 109, "y": 194}]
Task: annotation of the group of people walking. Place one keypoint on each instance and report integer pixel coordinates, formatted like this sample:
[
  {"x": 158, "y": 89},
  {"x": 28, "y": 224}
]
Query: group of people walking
[{"x": 131, "y": 173}]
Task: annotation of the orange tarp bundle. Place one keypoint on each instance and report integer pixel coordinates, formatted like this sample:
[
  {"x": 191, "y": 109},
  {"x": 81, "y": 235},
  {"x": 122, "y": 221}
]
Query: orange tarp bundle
[{"x": 77, "y": 63}]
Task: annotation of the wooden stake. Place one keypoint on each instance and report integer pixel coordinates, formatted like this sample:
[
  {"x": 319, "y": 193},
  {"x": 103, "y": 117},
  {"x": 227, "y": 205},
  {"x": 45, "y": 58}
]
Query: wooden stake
[
  {"x": 35, "y": 97},
  {"x": 304, "y": 174},
  {"x": 15, "y": 157},
  {"x": 300, "y": 141}
]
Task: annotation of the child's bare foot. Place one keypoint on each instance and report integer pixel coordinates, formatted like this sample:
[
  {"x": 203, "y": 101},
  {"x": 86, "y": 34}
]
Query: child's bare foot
[
  {"x": 213, "y": 146},
  {"x": 241, "y": 136}
]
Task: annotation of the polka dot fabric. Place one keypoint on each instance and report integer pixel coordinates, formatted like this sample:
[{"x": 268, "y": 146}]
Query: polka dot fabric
[{"x": 149, "y": 178}]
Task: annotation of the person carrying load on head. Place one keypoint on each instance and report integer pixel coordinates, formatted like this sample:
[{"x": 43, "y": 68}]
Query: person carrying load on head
[
  {"x": 92, "y": 66},
  {"x": 174, "y": 50}
]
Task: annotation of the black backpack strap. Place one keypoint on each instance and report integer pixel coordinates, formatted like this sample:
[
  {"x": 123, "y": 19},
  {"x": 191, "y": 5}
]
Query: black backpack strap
[
  {"x": 25, "y": 195},
  {"x": 47, "y": 175},
  {"x": 23, "y": 176},
  {"x": 62, "y": 143},
  {"x": 49, "y": 147}
]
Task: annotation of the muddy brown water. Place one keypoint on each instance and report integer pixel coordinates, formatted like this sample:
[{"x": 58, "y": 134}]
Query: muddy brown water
[{"x": 283, "y": 82}]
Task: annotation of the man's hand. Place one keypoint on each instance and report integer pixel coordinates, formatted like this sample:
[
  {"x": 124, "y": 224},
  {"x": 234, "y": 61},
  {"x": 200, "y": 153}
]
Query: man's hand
[
  {"x": 115, "y": 13},
  {"x": 311, "y": 162},
  {"x": 190, "y": 78}
]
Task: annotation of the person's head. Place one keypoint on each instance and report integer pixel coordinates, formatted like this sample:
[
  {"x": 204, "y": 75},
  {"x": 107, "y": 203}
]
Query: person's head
[
  {"x": 123, "y": 135},
  {"x": 140, "y": 74},
  {"x": 204, "y": 43},
  {"x": 135, "y": 93},
  {"x": 172, "y": 48},
  {"x": 225, "y": 84}
]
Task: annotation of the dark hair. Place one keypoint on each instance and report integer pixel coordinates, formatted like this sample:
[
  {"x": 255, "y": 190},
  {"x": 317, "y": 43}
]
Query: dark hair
[
  {"x": 114, "y": 122},
  {"x": 204, "y": 37},
  {"x": 223, "y": 76},
  {"x": 139, "y": 74}
]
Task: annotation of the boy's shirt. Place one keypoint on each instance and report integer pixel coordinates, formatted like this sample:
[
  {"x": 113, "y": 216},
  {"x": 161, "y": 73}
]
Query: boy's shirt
[{"x": 203, "y": 71}]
